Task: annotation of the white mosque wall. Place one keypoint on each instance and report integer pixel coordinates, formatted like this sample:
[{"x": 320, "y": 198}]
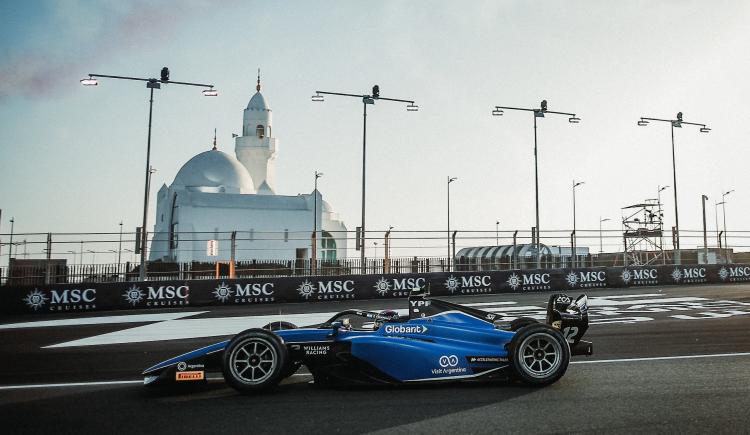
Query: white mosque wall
[{"x": 269, "y": 227}]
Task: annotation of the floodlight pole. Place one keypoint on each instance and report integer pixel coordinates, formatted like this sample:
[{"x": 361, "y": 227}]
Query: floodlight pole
[
  {"x": 724, "y": 215},
  {"x": 315, "y": 225},
  {"x": 675, "y": 123},
  {"x": 574, "y": 254},
  {"x": 538, "y": 113},
  {"x": 705, "y": 234},
  {"x": 366, "y": 99},
  {"x": 450, "y": 180},
  {"x": 151, "y": 84}
]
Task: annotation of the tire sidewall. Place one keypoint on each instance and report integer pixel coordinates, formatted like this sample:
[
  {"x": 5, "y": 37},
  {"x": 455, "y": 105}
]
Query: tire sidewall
[
  {"x": 515, "y": 354},
  {"x": 521, "y": 322},
  {"x": 277, "y": 372}
]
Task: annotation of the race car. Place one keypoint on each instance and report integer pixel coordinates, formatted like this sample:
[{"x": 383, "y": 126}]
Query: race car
[{"x": 437, "y": 341}]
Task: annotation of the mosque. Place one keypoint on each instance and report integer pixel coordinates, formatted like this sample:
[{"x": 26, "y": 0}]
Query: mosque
[{"x": 215, "y": 193}]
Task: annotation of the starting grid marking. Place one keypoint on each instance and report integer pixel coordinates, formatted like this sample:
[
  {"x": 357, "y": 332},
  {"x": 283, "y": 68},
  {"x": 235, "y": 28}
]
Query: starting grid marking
[
  {"x": 620, "y": 309},
  {"x": 601, "y": 361}
]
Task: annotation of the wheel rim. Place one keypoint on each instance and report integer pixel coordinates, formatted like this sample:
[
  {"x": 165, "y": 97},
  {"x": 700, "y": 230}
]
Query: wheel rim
[
  {"x": 540, "y": 355},
  {"x": 253, "y": 361}
]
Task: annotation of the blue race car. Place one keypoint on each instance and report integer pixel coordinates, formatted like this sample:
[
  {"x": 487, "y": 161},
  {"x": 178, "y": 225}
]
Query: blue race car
[{"x": 438, "y": 341}]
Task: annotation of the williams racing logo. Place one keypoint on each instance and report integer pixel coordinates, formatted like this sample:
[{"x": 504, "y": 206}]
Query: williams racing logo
[
  {"x": 62, "y": 300},
  {"x": 473, "y": 284},
  {"x": 397, "y": 287},
  {"x": 689, "y": 275},
  {"x": 586, "y": 279},
  {"x": 734, "y": 273},
  {"x": 161, "y": 296},
  {"x": 529, "y": 281},
  {"x": 327, "y": 290}
]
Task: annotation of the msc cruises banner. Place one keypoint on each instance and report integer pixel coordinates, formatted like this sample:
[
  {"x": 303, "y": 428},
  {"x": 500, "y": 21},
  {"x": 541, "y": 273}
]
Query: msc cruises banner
[{"x": 89, "y": 297}]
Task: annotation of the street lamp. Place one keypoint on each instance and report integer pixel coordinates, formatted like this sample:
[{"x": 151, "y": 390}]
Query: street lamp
[
  {"x": 366, "y": 99},
  {"x": 315, "y": 224},
  {"x": 575, "y": 236},
  {"x": 119, "y": 246},
  {"x": 10, "y": 249},
  {"x": 93, "y": 255},
  {"x": 601, "y": 241},
  {"x": 538, "y": 113},
  {"x": 724, "y": 214},
  {"x": 716, "y": 216},
  {"x": 387, "y": 243},
  {"x": 705, "y": 237},
  {"x": 151, "y": 84},
  {"x": 497, "y": 233},
  {"x": 674, "y": 123},
  {"x": 450, "y": 180}
]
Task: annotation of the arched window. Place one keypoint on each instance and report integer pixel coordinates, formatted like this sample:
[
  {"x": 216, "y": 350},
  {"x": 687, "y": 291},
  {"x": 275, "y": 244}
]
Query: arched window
[
  {"x": 328, "y": 245},
  {"x": 260, "y": 131}
]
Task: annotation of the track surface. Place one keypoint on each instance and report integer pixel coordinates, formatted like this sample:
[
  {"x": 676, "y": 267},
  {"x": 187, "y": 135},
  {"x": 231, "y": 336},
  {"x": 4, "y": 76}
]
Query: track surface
[{"x": 633, "y": 383}]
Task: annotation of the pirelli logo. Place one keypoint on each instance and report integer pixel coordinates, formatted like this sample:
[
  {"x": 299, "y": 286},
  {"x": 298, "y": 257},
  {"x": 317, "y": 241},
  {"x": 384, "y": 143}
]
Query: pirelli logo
[{"x": 190, "y": 376}]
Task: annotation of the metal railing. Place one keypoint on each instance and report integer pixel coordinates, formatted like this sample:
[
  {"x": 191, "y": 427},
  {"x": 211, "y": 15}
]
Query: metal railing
[{"x": 39, "y": 258}]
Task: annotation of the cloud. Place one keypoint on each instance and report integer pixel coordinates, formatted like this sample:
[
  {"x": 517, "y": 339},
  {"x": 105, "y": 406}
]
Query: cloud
[{"x": 69, "y": 52}]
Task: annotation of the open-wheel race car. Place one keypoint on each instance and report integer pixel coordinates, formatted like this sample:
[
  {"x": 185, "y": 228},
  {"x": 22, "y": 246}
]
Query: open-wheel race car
[{"x": 437, "y": 341}]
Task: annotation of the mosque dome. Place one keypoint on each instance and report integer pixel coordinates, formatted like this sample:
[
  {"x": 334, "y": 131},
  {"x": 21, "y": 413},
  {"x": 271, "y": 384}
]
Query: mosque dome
[
  {"x": 216, "y": 172},
  {"x": 258, "y": 102}
]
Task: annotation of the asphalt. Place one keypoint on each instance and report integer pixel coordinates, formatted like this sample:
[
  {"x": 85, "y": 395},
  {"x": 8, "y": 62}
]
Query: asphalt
[{"x": 667, "y": 360}]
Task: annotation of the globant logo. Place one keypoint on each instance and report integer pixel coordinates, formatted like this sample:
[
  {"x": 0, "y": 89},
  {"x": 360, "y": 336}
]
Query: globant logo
[{"x": 404, "y": 329}]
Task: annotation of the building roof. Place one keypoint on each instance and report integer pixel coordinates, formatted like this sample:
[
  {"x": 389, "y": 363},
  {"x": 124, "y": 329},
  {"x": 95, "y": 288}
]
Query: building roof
[
  {"x": 502, "y": 251},
  {"x": 215, "y": 172},
  {"x": 258, "y": 102}
]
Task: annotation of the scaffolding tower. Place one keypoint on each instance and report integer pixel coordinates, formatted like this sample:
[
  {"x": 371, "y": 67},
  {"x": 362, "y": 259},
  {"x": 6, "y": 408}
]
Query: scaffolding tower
[{"x": 643, "y": 233}]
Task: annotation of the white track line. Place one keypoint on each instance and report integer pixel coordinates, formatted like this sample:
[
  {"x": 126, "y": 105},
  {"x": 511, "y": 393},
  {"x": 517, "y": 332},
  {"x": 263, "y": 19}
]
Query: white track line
[
  {"x": 103, "y": 320},
  {"x": 661, "y": 358},
  {"x": 101, "y": 383}
]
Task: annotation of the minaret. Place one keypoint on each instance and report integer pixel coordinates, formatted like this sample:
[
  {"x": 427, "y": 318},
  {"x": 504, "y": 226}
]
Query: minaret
[{"x": 256, "y": 148}]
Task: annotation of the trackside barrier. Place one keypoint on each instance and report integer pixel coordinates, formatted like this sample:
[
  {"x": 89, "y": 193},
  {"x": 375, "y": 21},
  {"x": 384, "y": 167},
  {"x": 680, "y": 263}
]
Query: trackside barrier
[{"x": 87, "y": 297}]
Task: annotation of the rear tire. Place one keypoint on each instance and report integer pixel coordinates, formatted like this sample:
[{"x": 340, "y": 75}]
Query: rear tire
[
  {"x": 254, "y": 360},
  {"x": 539, "y": 354},
  {"x": 279, "y": 325},
  {"x": 520, "y": 322}
]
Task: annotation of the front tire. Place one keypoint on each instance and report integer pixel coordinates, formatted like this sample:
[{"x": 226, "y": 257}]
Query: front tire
[
  {"x": 254, "y": 360},
  {"x": 539, "y": 354}
]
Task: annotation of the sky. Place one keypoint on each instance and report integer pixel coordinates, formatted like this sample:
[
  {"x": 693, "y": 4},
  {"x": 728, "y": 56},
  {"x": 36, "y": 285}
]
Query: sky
[{"x": 72, "y": 158}]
